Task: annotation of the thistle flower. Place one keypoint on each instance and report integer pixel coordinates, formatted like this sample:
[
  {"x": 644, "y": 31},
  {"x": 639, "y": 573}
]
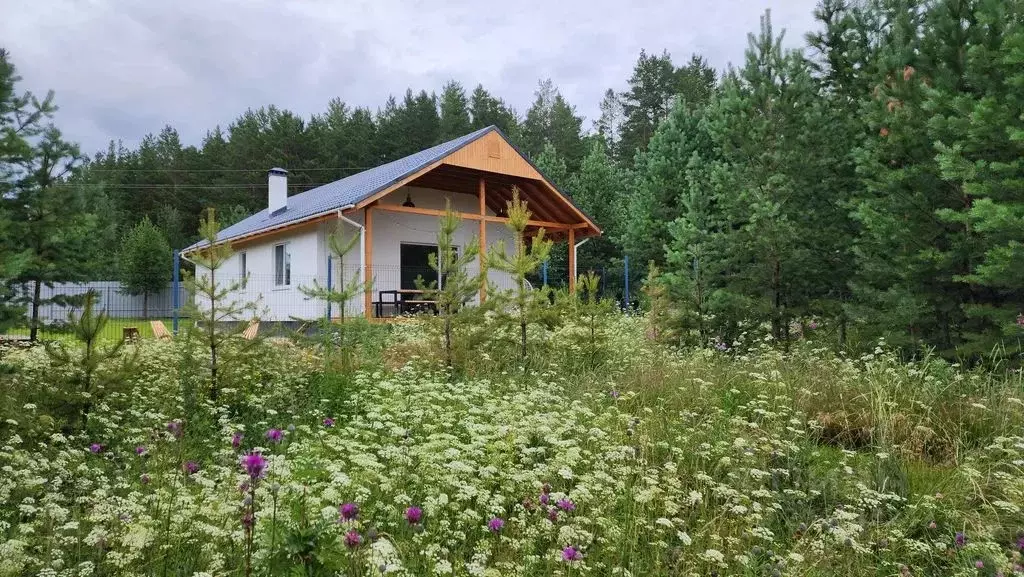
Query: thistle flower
[
  {"x": 95, "y": 448},
  {"x": 190, "y": 467},
  {"x": 140, "y": 450},
  {"x": 545, "y": 488},
  {"x": 236, "y": 439},
  {"x": 553, "y": 515},
  {"x": 353, "y": 539},
  {"x": 566, "y": 505},
  {"x": 495, "y": 524},
  {"x": 414, "y": 515},
  {"x": 328, "y": 422},
  {"x": 570, "y": 554},
  {"x": 544, "y": 498},
  {"x": 960, "y": 539},
  {"x": 274, "y": 435},
  {"x": 255, "y": 465},
  {"x": 1020, "y": 543},
  {"x": 348, "y": 511},
  {"x": 175, "y": 429}
]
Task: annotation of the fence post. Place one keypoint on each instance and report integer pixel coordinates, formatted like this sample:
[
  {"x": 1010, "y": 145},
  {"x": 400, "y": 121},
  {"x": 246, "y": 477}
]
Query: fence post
[
  {"x": 330, "y": 277},
  {"x": 544, "y": 272},
  {"x": 625, "y": 292},
  {"x": 175, "y": 290}
]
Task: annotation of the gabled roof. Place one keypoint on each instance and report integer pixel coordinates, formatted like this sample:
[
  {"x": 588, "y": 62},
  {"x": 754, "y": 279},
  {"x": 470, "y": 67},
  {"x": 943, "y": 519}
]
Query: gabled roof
[{"x": 350, "y": 190}]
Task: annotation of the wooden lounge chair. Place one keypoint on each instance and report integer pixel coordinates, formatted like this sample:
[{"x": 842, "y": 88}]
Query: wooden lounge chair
[
  {"x": 250, "y": 332},
  {"x": 159, "y": 330}
]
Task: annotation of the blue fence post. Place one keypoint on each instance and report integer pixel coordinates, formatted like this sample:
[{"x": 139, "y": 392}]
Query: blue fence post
[
  {"x": 330, "y": 277},
  {"x": 544, "y": 272},
  {"x": 625, "y": 271},
  {"x": 176, "y": 290}
]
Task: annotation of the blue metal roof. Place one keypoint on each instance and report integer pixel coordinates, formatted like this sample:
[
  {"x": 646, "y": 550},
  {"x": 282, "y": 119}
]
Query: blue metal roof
[{"x": 349, "y": 190}]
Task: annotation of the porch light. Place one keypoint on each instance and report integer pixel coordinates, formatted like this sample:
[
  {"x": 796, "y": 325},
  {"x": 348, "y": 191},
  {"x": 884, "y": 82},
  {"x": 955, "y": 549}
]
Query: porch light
[{"x": 408, "y": 201}]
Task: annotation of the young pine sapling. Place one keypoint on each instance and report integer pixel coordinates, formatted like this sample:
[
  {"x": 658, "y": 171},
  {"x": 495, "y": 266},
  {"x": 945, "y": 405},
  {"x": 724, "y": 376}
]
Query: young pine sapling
[
  {"x": 216, "y": 308},
  {"x": 455, "y": 286},
  {"x": 524, "y": 261}
]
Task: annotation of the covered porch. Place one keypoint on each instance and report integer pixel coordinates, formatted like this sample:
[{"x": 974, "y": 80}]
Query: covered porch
[{"x": 478, "y": 181}]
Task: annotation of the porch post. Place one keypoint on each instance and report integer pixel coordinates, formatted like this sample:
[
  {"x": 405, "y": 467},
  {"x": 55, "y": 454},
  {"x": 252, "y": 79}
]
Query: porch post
[
  {"x": 368, "y": 262},
  {"x": 483, "y": 241},
  {"x": 572, "y": 260}
]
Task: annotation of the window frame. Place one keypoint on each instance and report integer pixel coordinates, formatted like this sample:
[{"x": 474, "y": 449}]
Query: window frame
[{"x": 285, "y": 266}]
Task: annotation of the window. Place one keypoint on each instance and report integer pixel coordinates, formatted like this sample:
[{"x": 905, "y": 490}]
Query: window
[
  {"x": 282, "y": 265},
  {"x": 243, "y": 270}
]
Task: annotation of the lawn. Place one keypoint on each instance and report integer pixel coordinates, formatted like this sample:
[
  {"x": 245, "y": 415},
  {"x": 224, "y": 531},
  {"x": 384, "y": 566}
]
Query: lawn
[
  {"x": 114, "y": 329},
  {"x": 610, "y": 457}
]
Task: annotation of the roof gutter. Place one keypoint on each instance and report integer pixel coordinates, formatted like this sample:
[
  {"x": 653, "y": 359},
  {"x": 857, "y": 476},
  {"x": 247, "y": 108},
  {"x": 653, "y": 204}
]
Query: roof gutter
[
  {"x": 574, "y": 249},
  {"x": 362, "y": 242},
  {"x": 282, "y": 225}
]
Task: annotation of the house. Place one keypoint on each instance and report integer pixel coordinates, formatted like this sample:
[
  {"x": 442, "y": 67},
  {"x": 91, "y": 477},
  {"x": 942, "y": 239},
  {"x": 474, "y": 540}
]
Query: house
[{"x": 394, "y": 208}]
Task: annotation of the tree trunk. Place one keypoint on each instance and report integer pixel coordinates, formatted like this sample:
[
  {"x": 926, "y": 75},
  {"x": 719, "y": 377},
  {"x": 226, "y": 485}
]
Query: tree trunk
[
  {"x": 448, "y": 340},
  {"x": 36, "y": 297}
]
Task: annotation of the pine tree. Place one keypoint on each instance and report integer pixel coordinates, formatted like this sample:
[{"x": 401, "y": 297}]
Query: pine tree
[
  {"x": 598, "y": 190},
  {"x": 660, "y": 180},
  {"x": 454, "y": 111},
  {"x": 977, "y": 125},
  {"x": 552, "y": 120},
  {"x": 52, "y": 223},
  {"x": 907, "y": 257},
  {"x": 523, "y": 262},
  {"x": 144, "y": 262},
  {"x": 486, "y": 110},
  {"x": 220, "y": 315},
  {"x": 455, "y": 287},
  {"x": 338, "y": 297},
  {"x": 87, "y": 328}
]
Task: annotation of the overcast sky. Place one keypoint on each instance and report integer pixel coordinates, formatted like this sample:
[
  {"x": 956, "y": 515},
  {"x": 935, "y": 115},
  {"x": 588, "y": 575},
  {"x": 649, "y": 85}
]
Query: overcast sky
[{"x": 122, "y": 69}]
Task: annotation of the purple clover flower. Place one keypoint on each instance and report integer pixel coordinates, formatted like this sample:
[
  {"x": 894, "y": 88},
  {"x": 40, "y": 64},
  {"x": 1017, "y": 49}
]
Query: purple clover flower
[
  {"x": 255, "y": 465},
  {"x": 979, "y": 564},
  {"x": 960, "y": 539},
  {"x": 140, "y": 450},
  {"x": 348, "y": 511},
  {"x": 328, "y": 422},
  {"x": 570, "y": 554},
  {"x": 236, "y": 439},
  {"x": 353, "y": 539},
  {"x": 95, "y": 448},
  {"x": 553, "y": 515},
  {"x": 175, "y": 429},
  {"x": 190, "y": 467},
  {"x": 144, "y": 479},
  {"x": 566, "y": 505},
  {"x": 1020, "y": 543},
  {"x": 545, "y": 498},
  {"x": 414, "y": 515},
  {"x": 721, "y": 346},
  {"x": 1020, "y": 320},
  {"x": 495, "y": 524},
  {"x": 274, "y": 435},
  {"x": 614, "y": 394}
]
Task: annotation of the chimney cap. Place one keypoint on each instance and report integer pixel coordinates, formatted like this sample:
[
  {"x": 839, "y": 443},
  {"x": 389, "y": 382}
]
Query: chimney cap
[{"x": 277, "y": 170}]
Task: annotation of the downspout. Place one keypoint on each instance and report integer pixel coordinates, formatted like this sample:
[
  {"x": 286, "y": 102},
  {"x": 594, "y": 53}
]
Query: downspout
[
  {"x": 574, "y": 256},
  {"x": 362, "y": 242}
]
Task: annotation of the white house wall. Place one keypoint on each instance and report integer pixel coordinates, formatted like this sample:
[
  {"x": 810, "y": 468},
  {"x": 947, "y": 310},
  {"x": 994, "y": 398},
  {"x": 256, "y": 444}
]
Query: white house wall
[{"x": 308, "y": 250}]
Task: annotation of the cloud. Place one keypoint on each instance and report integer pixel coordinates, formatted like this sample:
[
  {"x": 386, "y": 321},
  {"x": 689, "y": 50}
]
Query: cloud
[{"x": 124, "y": 69}]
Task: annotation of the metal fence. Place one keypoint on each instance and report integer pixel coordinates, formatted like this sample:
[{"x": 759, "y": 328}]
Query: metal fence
[{"x": 286, "y": 298}]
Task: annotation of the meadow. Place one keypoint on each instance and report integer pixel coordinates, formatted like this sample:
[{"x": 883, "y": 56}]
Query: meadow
[{"x": 612, "y": 454}]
